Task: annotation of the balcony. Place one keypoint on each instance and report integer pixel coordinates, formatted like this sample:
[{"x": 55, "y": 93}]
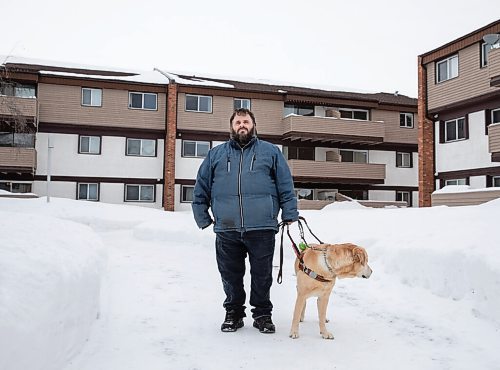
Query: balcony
[
  {"x": 15, "y": 159},
  {"x": 494, "y": 141},
  {"x": 17, "y": 106},
  {"x": 337, "y": 172},
  {"x": 494, "y": 67},
  {"x": 332, "y": 129}
]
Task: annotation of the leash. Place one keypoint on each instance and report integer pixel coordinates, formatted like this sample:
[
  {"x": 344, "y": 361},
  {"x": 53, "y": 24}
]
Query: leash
[{"x": 296, "y": 249}]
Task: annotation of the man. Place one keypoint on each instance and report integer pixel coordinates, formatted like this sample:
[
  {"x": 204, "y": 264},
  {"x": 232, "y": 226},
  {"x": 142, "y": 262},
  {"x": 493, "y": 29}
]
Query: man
[{"x": 245, "y": 182}]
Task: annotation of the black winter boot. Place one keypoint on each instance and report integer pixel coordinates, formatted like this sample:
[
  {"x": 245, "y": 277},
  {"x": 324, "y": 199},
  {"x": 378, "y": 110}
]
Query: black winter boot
[
  {"x": 232, "y": 322},
  {"x": 264, "y": 324}
]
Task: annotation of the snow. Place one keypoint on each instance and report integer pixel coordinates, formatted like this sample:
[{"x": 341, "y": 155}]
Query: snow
[
  {"x": 463, "y": 189},
  {"x": 152, "y": 77},
  {"x": 92, "y": 286}
]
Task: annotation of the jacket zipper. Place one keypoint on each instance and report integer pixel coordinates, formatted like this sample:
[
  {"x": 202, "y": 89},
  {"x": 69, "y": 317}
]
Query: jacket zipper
[
  {"x": 251, "y": 163},
  {"x": 239, "y": 187}
]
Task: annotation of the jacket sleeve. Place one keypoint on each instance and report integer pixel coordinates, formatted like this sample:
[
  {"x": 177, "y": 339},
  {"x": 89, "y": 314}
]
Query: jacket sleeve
[
  {"x": 286, "y": 193},
  {"x": 202, "y": 194}
]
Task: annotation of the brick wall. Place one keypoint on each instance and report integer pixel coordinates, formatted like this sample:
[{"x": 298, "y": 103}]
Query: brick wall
[
  {"x": 425, "y": 142},
  {"x": 169, "y": 162}
]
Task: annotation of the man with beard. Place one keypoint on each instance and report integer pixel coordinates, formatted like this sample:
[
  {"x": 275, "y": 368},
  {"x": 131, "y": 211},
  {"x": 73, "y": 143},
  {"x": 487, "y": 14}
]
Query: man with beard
[{"x": 245, "y": 182}]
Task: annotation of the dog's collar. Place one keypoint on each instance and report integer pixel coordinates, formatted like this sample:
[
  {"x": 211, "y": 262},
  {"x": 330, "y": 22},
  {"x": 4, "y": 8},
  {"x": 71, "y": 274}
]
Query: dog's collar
[{"x": 327, "y": 264}]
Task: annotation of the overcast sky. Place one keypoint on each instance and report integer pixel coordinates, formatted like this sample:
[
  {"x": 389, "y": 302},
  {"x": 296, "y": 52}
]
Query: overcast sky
[{"x": 354, "y": 45}]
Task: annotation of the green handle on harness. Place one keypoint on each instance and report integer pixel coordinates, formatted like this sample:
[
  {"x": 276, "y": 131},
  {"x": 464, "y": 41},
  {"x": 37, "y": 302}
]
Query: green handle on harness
[{"x": 302, "y": 246}]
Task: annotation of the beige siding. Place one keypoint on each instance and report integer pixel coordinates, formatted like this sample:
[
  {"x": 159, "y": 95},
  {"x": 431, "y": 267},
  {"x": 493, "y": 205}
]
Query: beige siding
[
  {"x": 11, "y": 106},
  {"x": 468, "y": 198},
  {"x": 62, "y": 104},
  {"x": 333, "y": 126},
  {"x": 268, "y": 115},
  {"x": 494, "y": 138},
  {"x": 471, "y": 81},
  {"x": 494, "y": 63},
  {"x": 393, "y": 132},
  {"x": 333, "y": 170},
  {"x": 17, "y": 157}
]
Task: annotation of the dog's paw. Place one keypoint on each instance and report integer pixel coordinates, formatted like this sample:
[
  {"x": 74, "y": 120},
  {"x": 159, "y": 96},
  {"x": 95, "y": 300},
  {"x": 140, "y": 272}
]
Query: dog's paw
[
  {"x": 294, "y": 334},
  {"x": 327, "y": 335}
]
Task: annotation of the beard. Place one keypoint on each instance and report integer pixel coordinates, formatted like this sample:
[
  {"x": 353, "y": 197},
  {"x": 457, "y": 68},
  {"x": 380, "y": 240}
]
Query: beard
[{"x": 243, "y": 136}]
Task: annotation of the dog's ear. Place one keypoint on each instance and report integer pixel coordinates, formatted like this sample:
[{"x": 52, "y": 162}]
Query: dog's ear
[{"x": 359, "y": 255}]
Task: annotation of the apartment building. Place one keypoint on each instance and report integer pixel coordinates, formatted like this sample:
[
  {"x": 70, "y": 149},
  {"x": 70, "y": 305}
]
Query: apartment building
[
  {"x": 363, "y": 146},
  {"x": 459, "y": 120},
  {"x": 100, "y": 134}
]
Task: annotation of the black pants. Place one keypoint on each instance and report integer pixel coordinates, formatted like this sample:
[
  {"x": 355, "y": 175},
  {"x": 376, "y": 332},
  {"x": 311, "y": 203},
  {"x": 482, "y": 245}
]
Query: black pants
[{"x": 231, "y": 250}]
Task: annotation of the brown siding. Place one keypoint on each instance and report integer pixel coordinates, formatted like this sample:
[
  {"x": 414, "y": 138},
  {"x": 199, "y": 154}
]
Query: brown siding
[
  {"x": 333, "y": 170},
  {"x": 17, "y": 158},
  {"x": 10, "y": 105},
  {"x": 333, "y": 126},
  {"x": 62, "y": 104},
  {"x": 464, "y": 198},
  {"x": 268, "y": 114},
  {"x": 472, "y": 80},
  {"x": 494, "y": 138},
  {"x": 494, "y": 63},
  {"x": 393, "y": 132}
]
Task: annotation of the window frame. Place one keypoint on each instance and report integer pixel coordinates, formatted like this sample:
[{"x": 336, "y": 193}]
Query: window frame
[
  {"x": 90, "y": 137},
  {"x": 447, "y": 61},
  {"x": 92, "y": 89},
  {"x": 493, "y": 179},
  {"x": 142, "y": 101},
  {"x": 198, "y": 96},
  {"x": 296, "y": 109},
  {"x": 78, "y": 184},
  {"x": 484, "y": 54},
  {"x": 402, "y": 193},
  {"x": 407, "y": 114},
  {"x": 449, "y": 182},
  {"x": 140, "y": 148},
  {"x": 492, "y": 117},
  {"x": 354, "y": 151},
  {"x": 140, "y": 188},
  {"x": 241, "y": 100},
  {"x": 353, "y": 110},
  {"x": 183, "y": 154},
  {"x": 456, "y": 130},
  {"x": 182, "y": 200},
  {"x": 409, "y": 155}
]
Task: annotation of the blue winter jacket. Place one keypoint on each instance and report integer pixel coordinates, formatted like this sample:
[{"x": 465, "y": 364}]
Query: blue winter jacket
[{"x": 245, "y": 188}]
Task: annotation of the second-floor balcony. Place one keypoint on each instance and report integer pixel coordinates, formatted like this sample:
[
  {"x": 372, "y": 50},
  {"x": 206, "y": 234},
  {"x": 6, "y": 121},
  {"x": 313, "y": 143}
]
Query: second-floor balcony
[
  {"x": 338, "y": 172},
  {"x": 332, "y": 129},
  {"x": 18, "y": 106},
  {"x": 15, "y": 159},
  {"x": 494, "y": 141}
]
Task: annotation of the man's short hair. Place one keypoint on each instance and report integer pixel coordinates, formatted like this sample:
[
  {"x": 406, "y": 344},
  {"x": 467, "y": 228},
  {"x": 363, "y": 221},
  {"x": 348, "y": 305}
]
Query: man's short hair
[{"x": 241, "y": 112}]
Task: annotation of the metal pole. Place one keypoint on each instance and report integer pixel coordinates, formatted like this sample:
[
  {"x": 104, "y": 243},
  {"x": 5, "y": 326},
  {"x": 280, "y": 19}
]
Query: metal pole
[{"x": 49, "y": 164}]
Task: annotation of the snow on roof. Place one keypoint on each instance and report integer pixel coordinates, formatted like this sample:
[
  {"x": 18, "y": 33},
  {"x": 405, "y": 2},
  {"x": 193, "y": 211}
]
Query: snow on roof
[
  {"x": 462, "y": 189},
  {"x": 152, "y": 77}
]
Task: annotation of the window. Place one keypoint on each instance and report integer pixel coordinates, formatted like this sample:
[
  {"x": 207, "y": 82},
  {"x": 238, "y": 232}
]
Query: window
[
  {"x": 403, "y": 196},
  {"x": 241, "y": 103},
  {"x": 88, "y": 191},
  {"x": 355, "y": 194},
  {"x": 447, "y": 69},
  {"x": 455, "y": 129},
  {"x": 403, "y": 160},
  {"x": 141, "y": 147},
  {"x": 485, "y": 49},
  {"x": 361, "y": 114},
  {"x": 19, "y": 90},
  {"x": 300, "y": 110},
  {"x": 495, "y": 181},
  {"x": 16, "y": 187},
  {"x": 187, "y": 193},
  {"x": 91, "y": 97},
  {"x": 195, "y": 148},
  {"x": 198, "y": 103},
  {"x": 90, "y": 145},
  {"x": 455, "y": 182},
  {"x": 138, "y": 100},
  {"x": 355, "y": 156},
  {"x": 495, "y": 115},
  {"x": 406, "y": 120},
  {"x": 304, "y": 153},
  {"x": 304, "y": 194},
  {"x": 140, "y": 193}
]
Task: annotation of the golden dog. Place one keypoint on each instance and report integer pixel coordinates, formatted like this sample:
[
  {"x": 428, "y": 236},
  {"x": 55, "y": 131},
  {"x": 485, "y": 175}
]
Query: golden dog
[{"x": 330, "y": 261}]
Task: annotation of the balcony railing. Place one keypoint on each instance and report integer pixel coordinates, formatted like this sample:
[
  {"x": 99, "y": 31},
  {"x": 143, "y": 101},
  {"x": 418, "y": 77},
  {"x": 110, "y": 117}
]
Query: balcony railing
[
  {"x": 18, "y": 159},
  {"x": 334, "y": 129},
  {"x": 494, "y": 141},
  {"x": 342, "y": 172},
  {"x": 17, "y": 106}
]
